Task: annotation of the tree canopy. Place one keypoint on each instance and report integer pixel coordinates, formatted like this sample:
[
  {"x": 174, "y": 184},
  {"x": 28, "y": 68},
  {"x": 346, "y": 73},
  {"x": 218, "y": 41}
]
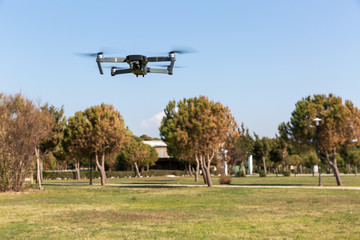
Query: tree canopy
[
  {"x": 340, "y": 124},
  {"x": 199, "y": 127},
  {"x": 22, "y": 128},
  {"x": 105, "y": 133}
]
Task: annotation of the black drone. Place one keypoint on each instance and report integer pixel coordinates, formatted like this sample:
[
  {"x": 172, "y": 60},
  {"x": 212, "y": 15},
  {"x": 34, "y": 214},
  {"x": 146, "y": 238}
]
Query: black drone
[{"x": 138, "y": 63}]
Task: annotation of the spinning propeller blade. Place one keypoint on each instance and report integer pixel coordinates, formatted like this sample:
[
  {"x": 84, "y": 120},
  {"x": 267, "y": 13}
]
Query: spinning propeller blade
[
  {"x": 183, "y": 51},
  {"x": 89, "y": 55}
]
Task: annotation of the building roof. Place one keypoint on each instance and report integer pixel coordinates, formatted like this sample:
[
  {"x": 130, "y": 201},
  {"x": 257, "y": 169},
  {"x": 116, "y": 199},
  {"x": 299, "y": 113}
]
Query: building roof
[{"x": 155, "y": 143}]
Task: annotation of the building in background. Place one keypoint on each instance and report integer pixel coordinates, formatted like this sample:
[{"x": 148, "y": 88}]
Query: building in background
[{"x": 164, "y": 161}]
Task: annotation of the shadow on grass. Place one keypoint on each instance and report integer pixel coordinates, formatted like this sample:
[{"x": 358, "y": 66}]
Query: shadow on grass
[
  {"x": 272, "y": 184},
  {"x": 150, "y": 182},
  {"x": 158, "y": 187},
  {"x": 67, "y": 184}
]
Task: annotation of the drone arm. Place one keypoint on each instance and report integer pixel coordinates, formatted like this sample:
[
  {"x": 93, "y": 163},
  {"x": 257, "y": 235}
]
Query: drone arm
[
  {"x": 100, "y": 59},
  {"x": 99, "y": 66},
  {"x": 158, "y": 59},
  {"x": 157, "y": 70},
  {"x": 112, "y": 59},
  {"x": 122, "y": 71}
]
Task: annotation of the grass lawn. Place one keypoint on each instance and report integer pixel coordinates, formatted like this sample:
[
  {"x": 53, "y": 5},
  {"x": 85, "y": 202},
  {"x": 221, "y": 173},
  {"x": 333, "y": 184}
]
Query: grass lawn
[
  {"x": 95, "y": 212},
  {"x": 327, "y": 180}
]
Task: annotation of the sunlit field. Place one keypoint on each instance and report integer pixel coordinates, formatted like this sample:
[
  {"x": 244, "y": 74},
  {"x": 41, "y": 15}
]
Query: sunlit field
[
  {"x": 307, "y": 180},
  {"x": 114, "y": 212}
]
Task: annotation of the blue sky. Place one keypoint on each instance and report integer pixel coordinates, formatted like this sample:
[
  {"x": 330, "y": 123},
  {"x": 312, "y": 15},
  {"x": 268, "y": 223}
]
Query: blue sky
[{"x": 258, "y": 57}]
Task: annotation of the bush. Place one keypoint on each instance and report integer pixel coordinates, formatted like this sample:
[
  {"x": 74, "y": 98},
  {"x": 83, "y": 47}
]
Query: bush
[
  {"x": 286, "y": 173},
  {"x": 225, "y": 179},
  {"x": 307, "y": 171},
  {"x": 114, "y": 174},
  {"x": 241, "y": 174},
  {"x": 55, "y": 175},
  {"x": 120, "y": 174},
  {"x": 86, "y": 174},
  {"x": 262, "y": 173},
  {"x": 156, "y": 173}
]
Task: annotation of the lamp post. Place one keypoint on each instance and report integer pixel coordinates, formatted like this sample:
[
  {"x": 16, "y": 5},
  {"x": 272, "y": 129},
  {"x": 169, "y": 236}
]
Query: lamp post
[{"x": 317, "y": 123}]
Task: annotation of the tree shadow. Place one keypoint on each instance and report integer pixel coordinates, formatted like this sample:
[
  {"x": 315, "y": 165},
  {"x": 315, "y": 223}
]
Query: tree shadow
[{"x": 275, "y": 184}]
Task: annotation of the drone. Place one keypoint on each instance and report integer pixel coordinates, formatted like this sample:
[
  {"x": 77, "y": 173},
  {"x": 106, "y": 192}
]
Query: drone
[{"x": 138, "y": 63}]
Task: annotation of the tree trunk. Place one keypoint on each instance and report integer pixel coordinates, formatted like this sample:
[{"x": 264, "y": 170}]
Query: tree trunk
[
  {"x": 205, "y": 164},
  {"x": 243, "y": 169},
  {"x": 41, "y": 169},
  {"x": 264, "y": 163},
  {"x": 77, "y": 169},
  {"x": 137, "y": 169},
  {"x": 301, "y": 169},
  {"x": 101, "y": 167},
  {"x": 38, "y": 176},
  {"x": 197, "y": 170},
  {"x": 190, "y": 172},
  {"x": 208, "y": 174},
  {"x": 348, "y": 167},
  {"x": 203, "y": 169},
  {"x": 355, "y": 170},
  {"x": 334, "y": 166}
]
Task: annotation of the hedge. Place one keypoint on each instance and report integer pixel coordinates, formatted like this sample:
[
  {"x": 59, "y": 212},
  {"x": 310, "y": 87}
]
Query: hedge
[{"x": 112, "y": 174}]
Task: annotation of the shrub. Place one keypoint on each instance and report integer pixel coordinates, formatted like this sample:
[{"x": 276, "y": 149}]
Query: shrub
[
  {"x": 241, "y": 174},
  {"x": 262, "y": 173},
  {"x": 120, "y": 174},
  {"x": 114, "y": 174},
  {"x": 157, "y": 173},
  {"x": 86, "y": 174},
  {"x": 225, "y": 179},
  {"x": 286, "y": 173},
  {"x": 55, "y": 175}
]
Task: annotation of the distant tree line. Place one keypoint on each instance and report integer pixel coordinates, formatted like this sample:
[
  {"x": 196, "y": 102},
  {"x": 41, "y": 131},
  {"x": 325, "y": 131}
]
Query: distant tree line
[
  {"x": 198, "y": 131},
  {"x": 204, "y": 134},
  {"x": 32, "y": 136}
]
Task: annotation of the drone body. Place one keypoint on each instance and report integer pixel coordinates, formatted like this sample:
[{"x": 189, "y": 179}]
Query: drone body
[{"x": 137, "y": 64}]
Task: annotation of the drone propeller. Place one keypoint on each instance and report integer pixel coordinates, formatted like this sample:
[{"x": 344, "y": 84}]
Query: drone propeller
[
  {"x": 89, "y": 55},
  {"x": 182, "y": 51}
]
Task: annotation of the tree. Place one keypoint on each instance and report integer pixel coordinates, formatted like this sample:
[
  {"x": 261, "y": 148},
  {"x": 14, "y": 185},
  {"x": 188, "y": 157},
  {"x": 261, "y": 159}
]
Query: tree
[
  {"x": 262, "y": 148},
  {"x": 76, "y": 140},
  {"x": 137, "y": 153},
  {"x": 52, "y": 143},
  {"x": 239, "y": 145},
  {"x": 311, "y": 159},
  {"x": 294, "y": 160},
  {"x": 354, "y": 157},
  {"x": 340, "y": 124},
  {"x": 151, "y": 157},
  {"x": 22, "y": 127},
  {"x": 105, "y": 132},
  {"x": 199, "y": 126},
  {"x": 178, "y": 145}
]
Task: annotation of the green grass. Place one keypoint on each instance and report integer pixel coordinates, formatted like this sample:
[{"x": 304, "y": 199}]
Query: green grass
[
  {"x": 95, "y": 212},
  {"x": 327, "y": 180}
]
